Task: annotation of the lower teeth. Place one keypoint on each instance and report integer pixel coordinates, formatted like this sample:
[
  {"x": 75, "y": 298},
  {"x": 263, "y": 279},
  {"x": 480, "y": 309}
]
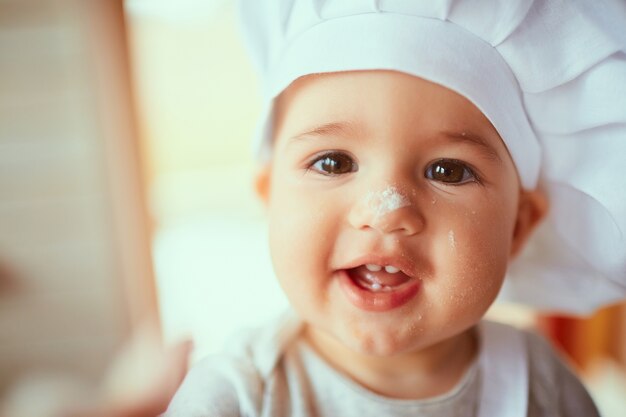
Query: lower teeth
[
  {"x": 375, "y": 286},
  {"x": 372, "y": 283}
]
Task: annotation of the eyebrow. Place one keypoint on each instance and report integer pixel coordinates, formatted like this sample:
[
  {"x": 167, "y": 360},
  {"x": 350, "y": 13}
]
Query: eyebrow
[
  {"x": 329, "y": 129},
  {"x": 346, "y": 129},
  {"x": 475, "y": 140}
]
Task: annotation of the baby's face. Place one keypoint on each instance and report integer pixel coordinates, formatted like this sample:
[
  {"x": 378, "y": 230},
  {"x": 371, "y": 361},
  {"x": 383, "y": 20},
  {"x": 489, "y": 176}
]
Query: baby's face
[{"x": 386, "y": 169}]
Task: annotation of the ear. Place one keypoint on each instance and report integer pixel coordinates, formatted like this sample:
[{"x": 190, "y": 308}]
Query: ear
[
  {"x": 533, "y": 207},
  {"x": 262, "y": 183}
]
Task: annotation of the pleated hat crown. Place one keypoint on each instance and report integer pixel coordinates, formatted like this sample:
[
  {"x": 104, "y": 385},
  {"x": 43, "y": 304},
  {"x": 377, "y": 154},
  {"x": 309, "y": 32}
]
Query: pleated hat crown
[{"x": 550, "y": 75}]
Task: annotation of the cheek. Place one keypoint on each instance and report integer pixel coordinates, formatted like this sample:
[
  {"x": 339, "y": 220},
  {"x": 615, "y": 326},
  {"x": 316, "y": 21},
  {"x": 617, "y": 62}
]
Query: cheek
[
  {"x": 302, "y": 232},
  {"x": 297, "y": 222},
  {"x": 473, "y": 255}
]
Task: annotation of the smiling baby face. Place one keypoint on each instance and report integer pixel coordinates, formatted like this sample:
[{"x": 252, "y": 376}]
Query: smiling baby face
[{"x": 394, "y": 209}]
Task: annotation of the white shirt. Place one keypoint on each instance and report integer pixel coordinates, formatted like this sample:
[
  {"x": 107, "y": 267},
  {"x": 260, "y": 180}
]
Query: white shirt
[{"x": 273, "y": 372}]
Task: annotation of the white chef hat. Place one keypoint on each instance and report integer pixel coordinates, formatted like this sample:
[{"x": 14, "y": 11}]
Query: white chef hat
[{"x": 550, "y": 75}]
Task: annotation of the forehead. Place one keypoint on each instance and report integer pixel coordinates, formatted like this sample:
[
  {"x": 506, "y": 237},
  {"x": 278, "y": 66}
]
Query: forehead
[{"x": 370, "y": 100}]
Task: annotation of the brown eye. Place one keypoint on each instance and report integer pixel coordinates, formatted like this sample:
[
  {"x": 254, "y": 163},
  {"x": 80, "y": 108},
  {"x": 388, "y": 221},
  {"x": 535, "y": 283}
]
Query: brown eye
[
  {"x": 450, "y": 171},
  {"x": 334, "y": 164}
]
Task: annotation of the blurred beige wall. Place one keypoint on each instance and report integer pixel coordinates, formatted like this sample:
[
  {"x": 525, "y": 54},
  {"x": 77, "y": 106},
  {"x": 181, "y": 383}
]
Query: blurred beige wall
[
  {"x": 196, "y": 89},
  {"x": 74, "y": 243},
  {"x": 198, "y": 103}
]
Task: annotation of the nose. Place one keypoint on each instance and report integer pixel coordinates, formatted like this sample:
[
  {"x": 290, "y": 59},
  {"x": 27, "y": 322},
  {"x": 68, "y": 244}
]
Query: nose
[{"x": 388, "y": 211}]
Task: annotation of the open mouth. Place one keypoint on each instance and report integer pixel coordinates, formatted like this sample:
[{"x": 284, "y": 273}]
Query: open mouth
[
  {"x": 375, "y": 287},
  {"x": 378, "y": 278}
]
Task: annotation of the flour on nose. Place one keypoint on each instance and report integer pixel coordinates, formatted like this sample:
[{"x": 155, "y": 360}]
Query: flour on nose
[{"x": 386, "y": 201}]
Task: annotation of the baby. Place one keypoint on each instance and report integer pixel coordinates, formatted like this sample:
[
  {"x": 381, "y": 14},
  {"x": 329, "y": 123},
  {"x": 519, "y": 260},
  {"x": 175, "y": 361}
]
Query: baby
[{"x": 403, "y": 154}]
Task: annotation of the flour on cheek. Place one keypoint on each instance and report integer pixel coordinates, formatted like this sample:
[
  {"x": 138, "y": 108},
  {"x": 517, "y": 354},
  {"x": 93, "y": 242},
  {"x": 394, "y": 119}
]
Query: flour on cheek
[{"x": 452, "y": 239}]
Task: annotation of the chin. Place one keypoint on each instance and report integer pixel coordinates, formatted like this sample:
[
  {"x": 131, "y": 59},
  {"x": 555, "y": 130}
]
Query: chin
[{"x": 382, "y": 344}]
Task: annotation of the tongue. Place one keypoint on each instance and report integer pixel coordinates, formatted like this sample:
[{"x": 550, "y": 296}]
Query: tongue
[{"x": 383, "y": 277}]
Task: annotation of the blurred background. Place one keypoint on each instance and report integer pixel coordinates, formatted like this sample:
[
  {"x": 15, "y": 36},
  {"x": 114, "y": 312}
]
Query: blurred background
[{"x": 126, "y": 202}]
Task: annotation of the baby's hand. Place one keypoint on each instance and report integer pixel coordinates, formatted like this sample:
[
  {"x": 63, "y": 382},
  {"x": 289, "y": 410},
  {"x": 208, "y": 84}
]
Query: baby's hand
[
  {"x": 140, "y": 383},
  {"x": 144, "y": 377}
]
